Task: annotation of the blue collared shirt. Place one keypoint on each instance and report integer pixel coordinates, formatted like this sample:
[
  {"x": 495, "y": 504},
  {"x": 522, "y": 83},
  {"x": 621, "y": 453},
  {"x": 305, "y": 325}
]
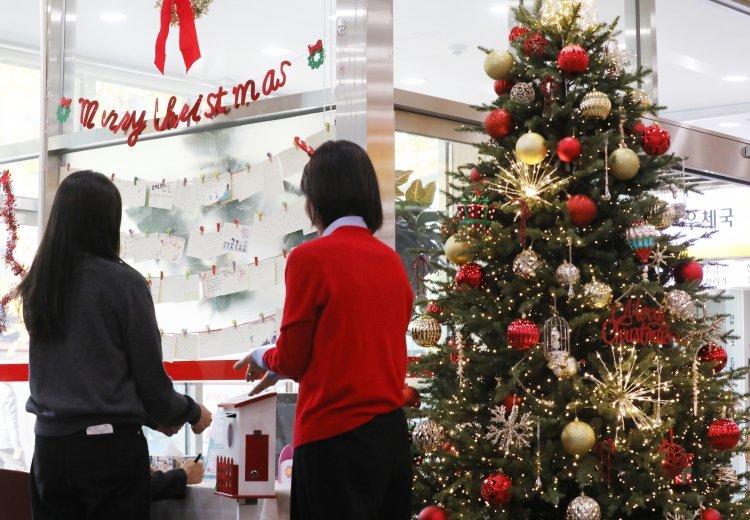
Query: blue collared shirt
[{"x": 351, "y": 220}]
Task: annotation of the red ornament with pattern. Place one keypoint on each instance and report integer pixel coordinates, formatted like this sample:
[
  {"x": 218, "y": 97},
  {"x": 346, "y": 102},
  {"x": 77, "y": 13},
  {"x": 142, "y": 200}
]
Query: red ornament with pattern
[
  {"x": 522, "y": 334},
  {"x": 496, "y": 489},
  {"x": 573, "y": 59},
  {"x": 503, "y": 86},
  {"x": 582, "y": 209},
  {"x": 535, "y": 45},
  {"x": 723, "y": 434},
  {"x": 470, "y": 275},
  {"x": 498, "y": 123},
  {"x": 655, "y": 140},
  {"x": 715, "y": 355},
  {"x": 517, "y": 31}
]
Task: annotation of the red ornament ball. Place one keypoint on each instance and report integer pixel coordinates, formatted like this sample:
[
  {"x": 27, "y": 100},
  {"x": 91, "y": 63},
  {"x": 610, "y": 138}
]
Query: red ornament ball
[
  {"x": 433, "y": 513},
  {"x": 475, "y": 176},
  {"x": 688, "y": 272},
  {"x": 434, "y": 309},
  {"x": 723, "y": 434},
  {"x": 710, "y": 514},
  {"x": 518, "y": 30},
  {"x": 503, "y": 86},
  {"x": 715, "y": 354},
  {"x": 637, "y": 128},
  {"x": 498, "y": 123},
  {"x": 535, "y": 45},
  {"x": 573, "y": 59},
  {"x": 569, "y": 149},
  {"x": 412, "y": 398},
  {"x": 522, "y": 334},
  {"x": 470, "y": 275},
  {"x": 582, "y": 210},
  {"x": 655, "y": 140},
  {"x": 510, "y": 401},
  {"x": 496, "y": 489},
  {"x": 675, "y": 460}
]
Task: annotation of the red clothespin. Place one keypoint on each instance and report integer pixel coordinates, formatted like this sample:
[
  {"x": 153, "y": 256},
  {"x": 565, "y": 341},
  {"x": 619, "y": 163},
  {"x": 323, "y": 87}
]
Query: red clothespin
[
  {"x": 218, "y": 227},
  {"x": 161, "y": 275},
  {"x": 237, "y": 222},
  {"x": 213, "y": 269},
  {"x": 148, "y": 279},
  {"x": 283, "y": 251},
  {"x": 113, "y": 177},
  {"x": 256, "y": 261},
  {"x": 201, "y": 228}
]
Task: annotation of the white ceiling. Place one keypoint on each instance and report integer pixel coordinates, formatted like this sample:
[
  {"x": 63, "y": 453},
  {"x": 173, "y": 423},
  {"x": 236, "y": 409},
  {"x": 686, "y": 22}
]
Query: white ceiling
[{"x": 699, "y": 43}]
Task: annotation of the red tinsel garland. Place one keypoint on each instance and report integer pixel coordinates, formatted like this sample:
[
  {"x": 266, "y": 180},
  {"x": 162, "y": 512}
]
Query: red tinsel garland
[{"x": 8, "y": 213}]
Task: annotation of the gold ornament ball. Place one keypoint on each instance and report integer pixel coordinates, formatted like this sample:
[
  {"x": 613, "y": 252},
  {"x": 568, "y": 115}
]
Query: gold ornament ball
[
  {"x": 597, "y": 294},
  {"x": 425, "y": 331},
  {"x": 456, "y": 250},
  {"x": 531, "y": 149},
  {"x": 499, "y": 65},
  {"x": 624, "y": 163},
  {"x": 578, "y": 438},
  {"x": 596, "y": 104},
  {"x": 526, "y": 264},
  {"x": 567, "y": 368},
  {"x": 583, "y": 508},
  {"x": 641, "y": 98}
]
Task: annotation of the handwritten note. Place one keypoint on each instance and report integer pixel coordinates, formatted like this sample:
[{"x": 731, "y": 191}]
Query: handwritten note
[
  {"x": 179, "y": 289},
  {"x": 126, "y": 246},
  {"x": 133, "y": 193},
  {"x": 234, "y": 238},
  {"x": 246, "y": 184},
  {"x": 263, "y": 333},
  {"x": 265, "y": 229},
  {"x": 213, "y": 189},
  {"x": 172, "y": 248},
  {"x": 187, "y": 346},
  {"x": 262, "y": 276},
  {"x": 145, "y": 247},
  {"x": 206, "y": 245},
  {"x": 168, "y": 346},
  {"x": 225, "y": 281},
  {"x": 160, "y": 195},
  {"x": 291, "y": 218},
  {"x": 230, "y": 340}
]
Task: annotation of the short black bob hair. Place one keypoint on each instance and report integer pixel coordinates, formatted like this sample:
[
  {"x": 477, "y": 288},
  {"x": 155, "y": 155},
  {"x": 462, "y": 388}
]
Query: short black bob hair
[{"x": 340, "y": 181}]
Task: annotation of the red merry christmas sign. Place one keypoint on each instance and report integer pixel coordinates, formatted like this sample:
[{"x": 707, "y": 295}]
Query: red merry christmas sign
[{"x": 637, "y": 322}]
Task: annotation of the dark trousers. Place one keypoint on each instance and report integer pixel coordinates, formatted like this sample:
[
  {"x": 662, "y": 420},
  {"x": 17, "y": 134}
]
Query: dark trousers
[
  {"x": 91, "y": 477},
  {"x": 363, "y": 474}
]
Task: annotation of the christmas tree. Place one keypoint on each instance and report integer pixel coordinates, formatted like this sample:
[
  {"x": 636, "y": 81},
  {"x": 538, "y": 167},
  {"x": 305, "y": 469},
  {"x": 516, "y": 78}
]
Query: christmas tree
[{"x": 580, "y": 378}]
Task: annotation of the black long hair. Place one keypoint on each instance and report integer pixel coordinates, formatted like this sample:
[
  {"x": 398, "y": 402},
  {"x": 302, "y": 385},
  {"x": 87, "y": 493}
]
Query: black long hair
[
  {"x": 85, "y": 219},
  {"x": 339, "y": 181}
]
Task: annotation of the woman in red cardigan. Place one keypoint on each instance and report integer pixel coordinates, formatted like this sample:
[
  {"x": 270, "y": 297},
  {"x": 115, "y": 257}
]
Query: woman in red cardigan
[{"x": 347, "y": 310}]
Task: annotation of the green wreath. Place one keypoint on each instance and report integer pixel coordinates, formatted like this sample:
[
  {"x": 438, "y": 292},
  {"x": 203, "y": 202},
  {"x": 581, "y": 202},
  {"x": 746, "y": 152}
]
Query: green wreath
[{"x": 316, "y": 59}]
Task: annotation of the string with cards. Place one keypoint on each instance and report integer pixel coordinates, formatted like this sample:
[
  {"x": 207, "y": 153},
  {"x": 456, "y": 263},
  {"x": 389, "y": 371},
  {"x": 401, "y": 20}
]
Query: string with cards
[
  {"x": 9, "y": 217},
  {"x": 227, "y": 341}
]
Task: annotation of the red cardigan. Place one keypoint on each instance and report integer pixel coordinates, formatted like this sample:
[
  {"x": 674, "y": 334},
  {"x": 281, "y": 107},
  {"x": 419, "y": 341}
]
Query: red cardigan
[{"x": 343, "y": 334}]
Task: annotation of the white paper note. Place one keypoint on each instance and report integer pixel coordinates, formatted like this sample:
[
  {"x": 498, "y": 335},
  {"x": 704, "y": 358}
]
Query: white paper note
[
  {"x": 246, "y": 184},
  {"x": 145, "y": 247},
  {"x": 187, "y": 346},
  {"x": 235, "y": 238},
  {"x": 265, "y": 229},
  {"x": 206, "y": 245},
  {"x": 179, "y": 289},
  {"x": 133, "y": 193},
  {"x": 291, "y": 219},
  {"x": 168, "y": 345},
  {"x": 262, "y": 276},
  {"x": 126, "y": 245},
  {"x": 264, "y": 333},
  {"x": 171, "y": 249},
  {"x": 213, "y": 189},
  {"x": 225, "y": 281},
  {"x": 230, "y": 340},
  {"x": 154, "y": 285},
  {"x": 160, "y": 194},
  {"x": 184, "y": 198}
]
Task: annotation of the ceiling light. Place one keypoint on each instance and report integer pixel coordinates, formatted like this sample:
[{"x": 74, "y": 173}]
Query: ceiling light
[
  {"x": 499, "y": 9},
  {"x": 728, "y": 124},
  {"x": 735, "y": 79},
  {"x": 413, "y": 81},
  {"x": 275, "y": 51},
  {"x": 113, "y": 17}
]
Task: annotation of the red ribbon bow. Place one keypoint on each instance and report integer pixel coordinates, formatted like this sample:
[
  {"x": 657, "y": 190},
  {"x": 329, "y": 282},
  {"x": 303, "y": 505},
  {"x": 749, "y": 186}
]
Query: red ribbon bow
[
  {"x": 525, "y": 214},
  {"x": 188, "y": 37},
  {"x": 299, "y": 143},
  {"x": 65, "y": 102},
  {"x": 317, "y": 47}
]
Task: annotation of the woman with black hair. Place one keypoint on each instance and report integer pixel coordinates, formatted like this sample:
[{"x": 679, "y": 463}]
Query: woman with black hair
[
  {"x": 343, "y": 337},
  {"x": 95, "y": 363}
]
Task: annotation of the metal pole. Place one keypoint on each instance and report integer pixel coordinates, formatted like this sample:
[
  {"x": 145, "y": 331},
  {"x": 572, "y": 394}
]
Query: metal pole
[{"x": 43, "y": 61}]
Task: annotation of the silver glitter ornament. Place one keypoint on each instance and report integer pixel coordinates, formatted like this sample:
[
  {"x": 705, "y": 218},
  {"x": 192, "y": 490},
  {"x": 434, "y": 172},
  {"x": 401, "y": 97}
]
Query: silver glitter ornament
[
  {"x": 522, "y": 93},
  {"x": 680, "y": 305},
  {"x": 427, "y": 436},
  {"x": 726, "y": 476},
  {"x": 526, "y": 264},
  {"x": 583, "y": 508},
  {"x": 568, "y": 274}
]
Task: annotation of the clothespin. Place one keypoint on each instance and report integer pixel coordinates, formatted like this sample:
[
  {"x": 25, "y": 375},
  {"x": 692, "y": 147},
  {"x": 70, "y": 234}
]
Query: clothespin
[
  {"x": 259, "y": 214},
  {"x": 247, "y": 166},
  {"x": 169, "y": 232},
  {"x": 131, "y": 232},
  {"x": 201, "y": 228},
  {"x": 218, "y": 227},
  {"x": 203, "y": 178},
  {"x": 208, "y": 329},
  {"x": 283, "y": 251},
  {"x": 184, "y": 181},
  {"x": 270, "y": 157},
  {"x": 234, "y": 323},
  {"x": 234, "y": 266},
  {"x": 161, "y": 331},
  {"x": 148, "y": 279},
  {"x": 328, "y": 127},
  {"x": 184, "y": 332},
  {"x": 285, "y": 205},
  {"x": 262, "y": 317},
  {"x": 187, "y": 275},
  {"x": 161, "y": 275},
  {"x": 113, "y": 176},
  {"x": 135, "y": 181},
  {"x": 213, "y": 269},
  {"x": 237, "y": 222},
  {"x": 67, "y": 166},
  {"x": 216, "y": 174},
  {"x": 256, "y": 261}
]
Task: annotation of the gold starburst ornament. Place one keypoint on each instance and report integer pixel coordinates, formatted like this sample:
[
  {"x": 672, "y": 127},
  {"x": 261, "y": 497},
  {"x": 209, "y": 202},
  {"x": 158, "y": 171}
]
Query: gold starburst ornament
[{"x": 528, "y": 183}]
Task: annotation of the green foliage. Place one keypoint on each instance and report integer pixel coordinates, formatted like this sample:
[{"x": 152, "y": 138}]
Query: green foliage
[{"x": 477, "y": 319}]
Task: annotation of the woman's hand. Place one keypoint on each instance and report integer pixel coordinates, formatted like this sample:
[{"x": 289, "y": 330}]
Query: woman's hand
[
  {"x": 254, "y": 371},
  {"x": 268, "y": 381}
]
